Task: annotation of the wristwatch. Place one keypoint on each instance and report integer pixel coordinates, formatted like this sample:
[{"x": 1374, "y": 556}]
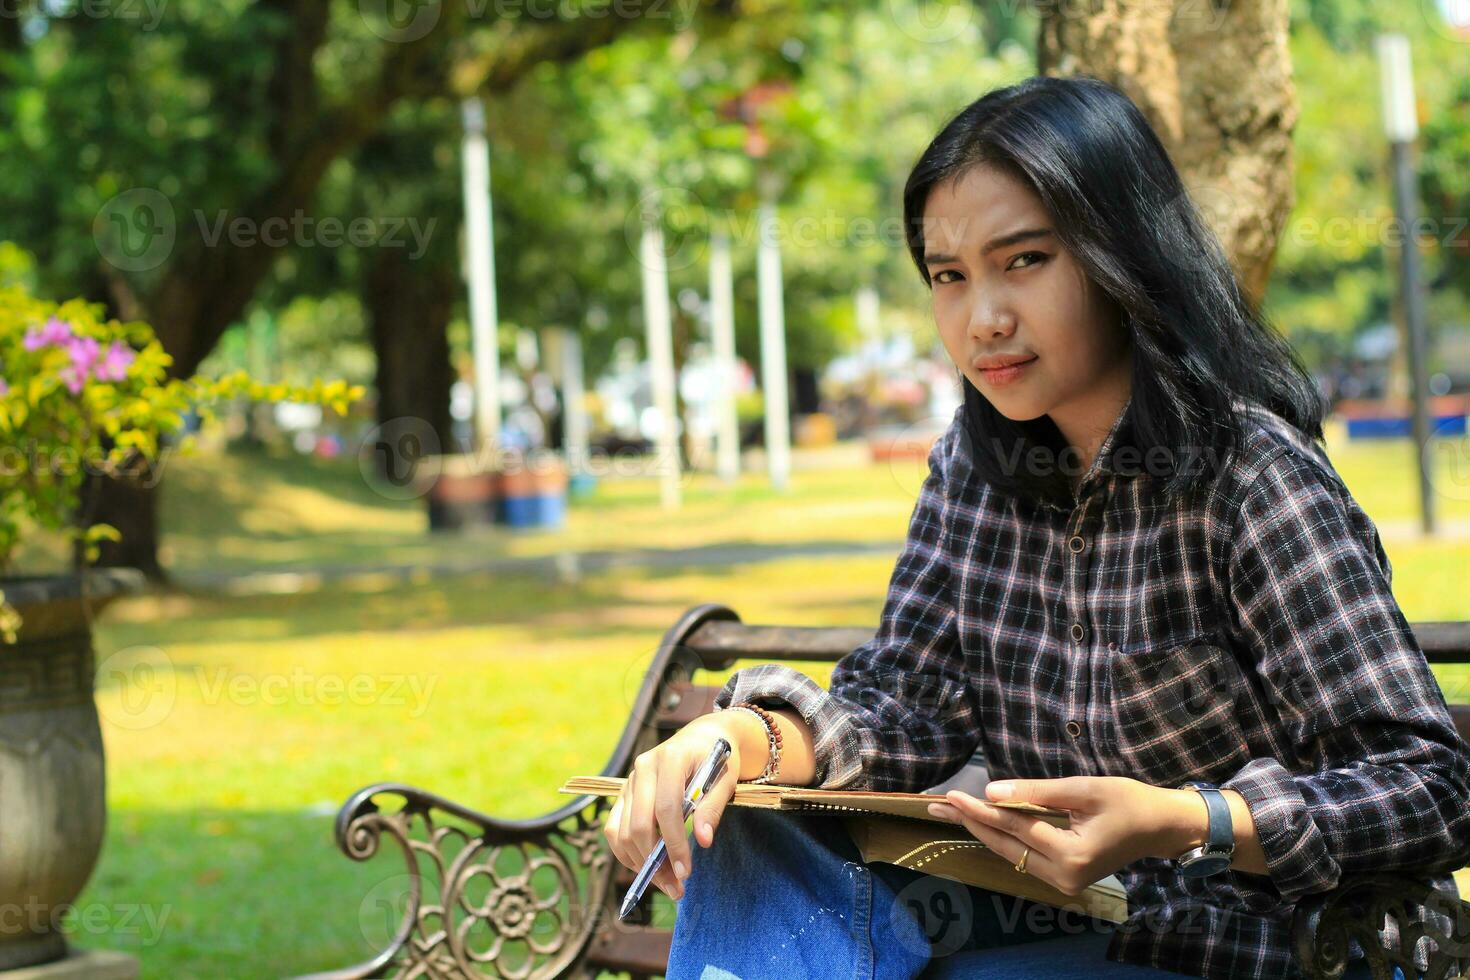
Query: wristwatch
[{"x": 1214, "y": 855}]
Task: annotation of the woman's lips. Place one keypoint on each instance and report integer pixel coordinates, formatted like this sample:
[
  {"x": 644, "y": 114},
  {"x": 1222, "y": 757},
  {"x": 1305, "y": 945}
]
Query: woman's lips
[{"x": 999, "y": 376}]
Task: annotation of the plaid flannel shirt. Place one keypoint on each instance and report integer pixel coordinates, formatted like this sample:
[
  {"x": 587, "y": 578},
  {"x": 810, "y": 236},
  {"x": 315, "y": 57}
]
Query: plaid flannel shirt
[{"x": 1244, "y": 634}]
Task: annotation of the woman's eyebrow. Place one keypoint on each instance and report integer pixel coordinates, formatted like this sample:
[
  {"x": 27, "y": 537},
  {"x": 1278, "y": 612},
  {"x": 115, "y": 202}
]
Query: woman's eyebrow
[{"x": 1001, "y": 241}]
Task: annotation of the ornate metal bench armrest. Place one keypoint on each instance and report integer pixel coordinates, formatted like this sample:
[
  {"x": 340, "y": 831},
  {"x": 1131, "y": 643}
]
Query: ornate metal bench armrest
[
  {"x": 442, "y": 932},
  {"x": 541, "y": 914},
  {"x": 1357, "y": 909}
]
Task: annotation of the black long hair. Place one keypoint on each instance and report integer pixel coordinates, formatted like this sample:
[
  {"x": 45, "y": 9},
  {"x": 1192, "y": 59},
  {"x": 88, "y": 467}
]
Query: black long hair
[{"x": 1118, "y": 205}]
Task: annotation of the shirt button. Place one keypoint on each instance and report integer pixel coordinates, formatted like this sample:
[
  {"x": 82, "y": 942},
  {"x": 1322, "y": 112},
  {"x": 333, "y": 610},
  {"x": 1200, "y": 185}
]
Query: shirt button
[
  {"x": 1079, "y": 632},
  {"x": 1074, "y": 729},
  {"x": 1112, "y": 646},
  {"x": 1077, "y": 544}
]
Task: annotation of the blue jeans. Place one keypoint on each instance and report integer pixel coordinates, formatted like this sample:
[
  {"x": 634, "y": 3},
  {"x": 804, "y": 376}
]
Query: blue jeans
[{"x": 787, "y": 895}]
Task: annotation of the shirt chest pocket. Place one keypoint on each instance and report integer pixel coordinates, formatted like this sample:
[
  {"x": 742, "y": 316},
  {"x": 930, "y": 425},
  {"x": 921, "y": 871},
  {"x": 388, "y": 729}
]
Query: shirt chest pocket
[{"x": 1175, "y": 711}]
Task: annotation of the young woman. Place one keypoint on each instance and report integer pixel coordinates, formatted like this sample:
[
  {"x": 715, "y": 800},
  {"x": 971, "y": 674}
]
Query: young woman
[{"x": 1131, "y": 568}]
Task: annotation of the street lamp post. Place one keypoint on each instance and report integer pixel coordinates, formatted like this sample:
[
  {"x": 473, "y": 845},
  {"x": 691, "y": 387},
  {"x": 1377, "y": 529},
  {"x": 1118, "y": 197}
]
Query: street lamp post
[
  {"x": 770, "y": 309},
  {"x": 480, "y": 273},
  {"x": 657, "y": 323},
  {"x": 773, "y": 337},
  {"x": 1402, "y": 125},
  {"x": 722, "y": 329}
]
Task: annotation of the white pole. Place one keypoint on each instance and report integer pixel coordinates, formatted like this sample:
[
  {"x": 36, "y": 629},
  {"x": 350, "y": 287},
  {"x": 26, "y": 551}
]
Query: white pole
[
  {"x": 657, "y": 324},
  {"x": 481, "y": 273},
  {"x": 574, "y": 418},
  {"x": 722, "y": 324},
  {"x": 773, "y": 344},
  {"x": 1401, "y": 123},
  {"x": 1396, "y": 81}
]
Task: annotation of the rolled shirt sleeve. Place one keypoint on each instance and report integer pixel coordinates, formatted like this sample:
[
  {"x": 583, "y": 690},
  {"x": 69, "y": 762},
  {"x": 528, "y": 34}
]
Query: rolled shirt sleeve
[
  {"x": 1382, "y": 778},
  {"x": 900, "y": 714}
]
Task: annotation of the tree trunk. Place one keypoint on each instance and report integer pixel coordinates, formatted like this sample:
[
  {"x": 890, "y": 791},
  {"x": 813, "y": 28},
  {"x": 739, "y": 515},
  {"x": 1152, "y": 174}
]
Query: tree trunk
[
  {"x": 1215, "y": 81},
  {"x": 130, "y": 506},
  {"x": 207, "y": 286},
  {"x": 408, "y": 305}
]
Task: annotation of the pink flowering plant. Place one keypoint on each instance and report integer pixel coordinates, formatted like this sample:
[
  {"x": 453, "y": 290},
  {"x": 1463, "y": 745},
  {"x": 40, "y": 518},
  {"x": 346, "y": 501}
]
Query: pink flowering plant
[{"x": 80, "y": 395}]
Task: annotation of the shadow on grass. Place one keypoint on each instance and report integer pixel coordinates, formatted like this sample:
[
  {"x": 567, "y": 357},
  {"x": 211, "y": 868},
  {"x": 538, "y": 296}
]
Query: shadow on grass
[
  {"x": 463, "y": 601},
  {"x": 603, "y": 604}
]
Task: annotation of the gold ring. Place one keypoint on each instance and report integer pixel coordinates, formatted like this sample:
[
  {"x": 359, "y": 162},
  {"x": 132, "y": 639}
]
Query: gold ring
[{"x": 1021, "y": 864}]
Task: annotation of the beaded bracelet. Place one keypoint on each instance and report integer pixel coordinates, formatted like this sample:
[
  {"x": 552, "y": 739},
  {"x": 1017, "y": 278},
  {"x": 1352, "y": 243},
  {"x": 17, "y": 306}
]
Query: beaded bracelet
[{"x": 773, "y": 738}]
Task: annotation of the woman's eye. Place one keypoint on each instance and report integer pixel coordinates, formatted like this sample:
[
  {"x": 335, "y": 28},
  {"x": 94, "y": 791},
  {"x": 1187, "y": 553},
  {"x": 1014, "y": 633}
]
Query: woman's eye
[
  {"x": 1038, "y": 258},
  {"x": 942, "y": 272}
]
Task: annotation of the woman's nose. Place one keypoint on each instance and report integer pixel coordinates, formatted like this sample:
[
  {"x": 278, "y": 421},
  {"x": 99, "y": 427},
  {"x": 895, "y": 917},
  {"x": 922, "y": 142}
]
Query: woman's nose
[{"x": 989, "y": 321}]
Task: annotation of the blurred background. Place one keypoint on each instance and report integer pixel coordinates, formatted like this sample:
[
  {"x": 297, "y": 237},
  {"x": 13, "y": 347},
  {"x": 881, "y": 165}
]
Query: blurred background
[{"x": 625, "y": 290}]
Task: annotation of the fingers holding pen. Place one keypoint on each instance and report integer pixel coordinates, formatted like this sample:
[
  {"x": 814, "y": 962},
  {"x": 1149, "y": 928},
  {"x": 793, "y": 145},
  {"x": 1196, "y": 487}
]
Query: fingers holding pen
[
  {"x": 610, "y": 830},
  {"x": 651, "y": 805},
  {"x": 669, "y": 814},
  {"x": 646, "y": 825},
  {"x": 622, "y": 827}
]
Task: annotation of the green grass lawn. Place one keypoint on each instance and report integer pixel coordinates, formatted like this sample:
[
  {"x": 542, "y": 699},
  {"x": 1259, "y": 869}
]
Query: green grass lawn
[{"x": 269, "y": 711}]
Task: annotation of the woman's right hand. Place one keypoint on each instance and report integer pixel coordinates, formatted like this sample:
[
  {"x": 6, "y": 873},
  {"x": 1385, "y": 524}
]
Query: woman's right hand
[{"x": 651, "y": 803}]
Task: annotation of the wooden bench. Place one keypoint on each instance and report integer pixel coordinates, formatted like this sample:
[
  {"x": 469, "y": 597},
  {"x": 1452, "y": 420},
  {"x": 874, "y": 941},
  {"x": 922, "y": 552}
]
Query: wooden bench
[{"x": 488, "y": 897}]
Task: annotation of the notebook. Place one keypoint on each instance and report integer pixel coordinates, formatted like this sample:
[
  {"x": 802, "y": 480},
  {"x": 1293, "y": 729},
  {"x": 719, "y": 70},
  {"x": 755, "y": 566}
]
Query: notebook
[{"x": 897, "y": 828}]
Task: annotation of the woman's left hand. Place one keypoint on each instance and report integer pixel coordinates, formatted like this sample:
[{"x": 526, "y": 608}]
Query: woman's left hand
[{"x": 1115, "y": 821}]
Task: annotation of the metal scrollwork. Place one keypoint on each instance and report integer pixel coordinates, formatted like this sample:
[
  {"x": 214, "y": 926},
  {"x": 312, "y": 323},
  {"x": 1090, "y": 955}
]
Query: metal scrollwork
[
  {"x": 480, "y": 897},
  {"x": 519, "y": 899},
  {"x": 1362, "y": 909}
]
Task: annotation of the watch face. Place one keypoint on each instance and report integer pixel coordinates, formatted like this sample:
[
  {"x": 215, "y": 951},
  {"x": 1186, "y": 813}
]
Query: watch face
[{"x": 1205, "y": 864}]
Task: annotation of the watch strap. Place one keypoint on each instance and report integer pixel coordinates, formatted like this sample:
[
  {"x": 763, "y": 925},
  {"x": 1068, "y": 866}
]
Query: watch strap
[{"x": 1221, "y": 834}]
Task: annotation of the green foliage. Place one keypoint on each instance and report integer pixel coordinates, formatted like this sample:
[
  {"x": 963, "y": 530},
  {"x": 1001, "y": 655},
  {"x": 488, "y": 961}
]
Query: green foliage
[
  {"x": 82, "y": 396},
  {"x": 750, "y": 406},
  {"x": 1445, "y": 180},
  {"x": 1335, "y": 268},
  {"x": 311, "y": 335},
  {"x": 857, "y": 92}
]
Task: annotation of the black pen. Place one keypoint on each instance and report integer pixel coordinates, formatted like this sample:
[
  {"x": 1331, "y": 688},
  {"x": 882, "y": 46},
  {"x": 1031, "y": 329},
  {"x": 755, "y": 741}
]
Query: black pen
[{"x": 699, "y": 784}]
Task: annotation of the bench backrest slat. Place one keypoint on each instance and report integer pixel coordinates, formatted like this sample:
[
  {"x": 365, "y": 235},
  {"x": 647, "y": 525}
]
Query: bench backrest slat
[{"x": 724, "y": 642}]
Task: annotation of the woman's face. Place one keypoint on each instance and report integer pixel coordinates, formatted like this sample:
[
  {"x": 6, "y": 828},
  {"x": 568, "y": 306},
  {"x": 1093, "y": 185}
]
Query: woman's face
[{"x": 1006, "y": 292}]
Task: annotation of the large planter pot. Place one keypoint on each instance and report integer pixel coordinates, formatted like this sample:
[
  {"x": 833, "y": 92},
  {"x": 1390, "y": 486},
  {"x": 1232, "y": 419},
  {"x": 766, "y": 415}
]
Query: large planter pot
[
  {"x": 532, "y": 492},
  {"x": 53, "y": 794},
  {"x": 462, "y": 495}
]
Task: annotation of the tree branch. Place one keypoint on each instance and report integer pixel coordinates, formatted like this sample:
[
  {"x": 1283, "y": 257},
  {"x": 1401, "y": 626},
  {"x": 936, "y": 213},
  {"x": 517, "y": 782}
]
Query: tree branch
[{"x": 207, "y": 287}]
